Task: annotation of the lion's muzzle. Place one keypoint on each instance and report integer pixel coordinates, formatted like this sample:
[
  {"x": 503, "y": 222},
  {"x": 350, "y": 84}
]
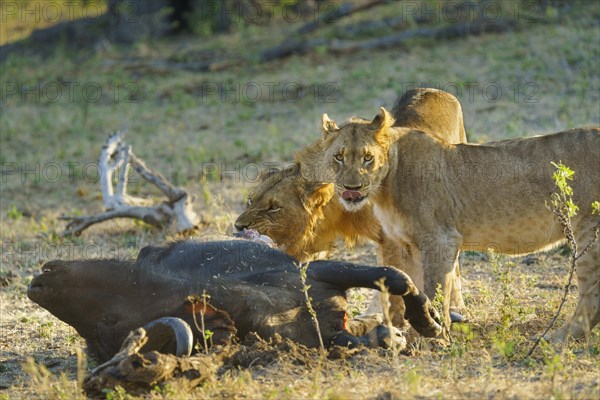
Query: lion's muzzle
[
  {"x": 353, "y": 196},
  {"x": 352, "y": 200}
]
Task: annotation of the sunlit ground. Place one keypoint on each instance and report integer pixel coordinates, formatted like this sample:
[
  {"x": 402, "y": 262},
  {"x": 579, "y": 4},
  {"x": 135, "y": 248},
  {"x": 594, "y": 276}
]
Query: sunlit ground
[{"x": 18, "y": 18}]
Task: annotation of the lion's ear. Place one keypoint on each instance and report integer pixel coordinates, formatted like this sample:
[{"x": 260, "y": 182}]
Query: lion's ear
[
  {"x": 328, "y": 125},
  {"x": 382, "y": 124},
  {"x": 319, "y": 193}
]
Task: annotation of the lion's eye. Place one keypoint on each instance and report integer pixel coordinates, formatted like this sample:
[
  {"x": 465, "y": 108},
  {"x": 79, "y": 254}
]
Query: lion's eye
[
  {"x": 339, "y": 158},
  {"x": 249, "y": 202},
  {"x": 274, "y": 208},
  {"x": 368, "y": 158}
]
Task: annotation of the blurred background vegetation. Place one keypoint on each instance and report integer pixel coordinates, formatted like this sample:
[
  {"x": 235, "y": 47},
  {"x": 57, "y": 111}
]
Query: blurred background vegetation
[{"x": 236, "y": 82}]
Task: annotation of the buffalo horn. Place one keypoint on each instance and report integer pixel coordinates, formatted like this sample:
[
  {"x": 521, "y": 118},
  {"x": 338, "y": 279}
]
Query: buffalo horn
[{"x": 169, "y": 335}]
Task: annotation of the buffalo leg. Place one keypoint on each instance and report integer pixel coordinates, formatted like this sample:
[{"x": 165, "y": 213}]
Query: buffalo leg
[{"x": 419, "y": 311}]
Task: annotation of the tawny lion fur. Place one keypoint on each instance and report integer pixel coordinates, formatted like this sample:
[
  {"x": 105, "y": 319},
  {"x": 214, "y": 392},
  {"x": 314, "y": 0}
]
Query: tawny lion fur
[
  {"x": 434, "y": 198},
  {"x": 296, "y": 210}
]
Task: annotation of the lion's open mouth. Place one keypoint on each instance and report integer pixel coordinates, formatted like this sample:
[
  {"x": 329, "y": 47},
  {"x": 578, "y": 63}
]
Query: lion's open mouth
[{"x": 353, "y": 196}]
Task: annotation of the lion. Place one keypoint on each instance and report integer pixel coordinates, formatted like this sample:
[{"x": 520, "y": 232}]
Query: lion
[
  {"x": 298, "y": 213},
  {"x": 439, "y": 197}
]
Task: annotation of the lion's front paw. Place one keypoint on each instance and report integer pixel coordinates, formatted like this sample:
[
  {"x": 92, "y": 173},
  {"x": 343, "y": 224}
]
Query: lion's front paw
[{"x": 568, "y": 330}]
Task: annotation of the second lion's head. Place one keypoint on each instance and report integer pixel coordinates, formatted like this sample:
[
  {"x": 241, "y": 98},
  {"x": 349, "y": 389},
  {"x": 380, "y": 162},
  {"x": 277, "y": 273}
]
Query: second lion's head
[{"x": 356, "y": 156}]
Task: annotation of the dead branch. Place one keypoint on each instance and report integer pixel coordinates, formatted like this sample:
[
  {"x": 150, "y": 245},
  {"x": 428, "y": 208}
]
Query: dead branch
[
  {"x": 150, "y": 215},
  {"x": 397, "y": 39},
  {"x": 173, "y": 193},
  {"x": 139, "y": 373},
  {"x": 370, "y": 26},
  {"x": 294, "y": 45},
  {"x": 303, "y": 46},
  {"x": 117, "y": 156},
  {"x": 165, "y": 67},
  {"x": 290, "y": 47},
  {"x": 115, "y": 148},
  {"x": 342, "y": 11}
]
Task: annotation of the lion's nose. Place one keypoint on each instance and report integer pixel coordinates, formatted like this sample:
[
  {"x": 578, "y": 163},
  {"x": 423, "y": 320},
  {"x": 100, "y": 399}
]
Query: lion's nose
[
  {"x": 240, "y": 226},
  {"x": 353, "y": 187}
]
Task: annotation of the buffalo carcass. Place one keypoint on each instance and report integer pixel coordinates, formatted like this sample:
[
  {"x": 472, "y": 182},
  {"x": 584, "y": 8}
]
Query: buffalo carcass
[{"x": 239, "y": 287}]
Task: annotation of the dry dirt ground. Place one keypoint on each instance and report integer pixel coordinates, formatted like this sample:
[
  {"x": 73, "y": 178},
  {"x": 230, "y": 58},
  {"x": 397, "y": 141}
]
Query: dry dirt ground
[
  {"x": 39, "y": 353},
  {"x": 549, "y": 79}
]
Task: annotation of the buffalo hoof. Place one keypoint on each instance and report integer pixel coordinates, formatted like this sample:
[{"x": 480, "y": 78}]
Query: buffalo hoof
[{"x": 422, "y": 316}]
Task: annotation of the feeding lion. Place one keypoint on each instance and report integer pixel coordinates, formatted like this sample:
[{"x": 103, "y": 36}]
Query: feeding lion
[
  {"x": 297, "y": 210},
  {"x": 440, "y": 197}
]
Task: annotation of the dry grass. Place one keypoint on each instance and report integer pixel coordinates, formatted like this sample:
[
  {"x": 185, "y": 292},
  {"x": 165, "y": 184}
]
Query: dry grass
[{"x": 185, "y": 135}]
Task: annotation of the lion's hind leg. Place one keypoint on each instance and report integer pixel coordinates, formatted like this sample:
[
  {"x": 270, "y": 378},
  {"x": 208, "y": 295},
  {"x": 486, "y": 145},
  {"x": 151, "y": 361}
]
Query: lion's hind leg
[{"x": 587, "y": 313}]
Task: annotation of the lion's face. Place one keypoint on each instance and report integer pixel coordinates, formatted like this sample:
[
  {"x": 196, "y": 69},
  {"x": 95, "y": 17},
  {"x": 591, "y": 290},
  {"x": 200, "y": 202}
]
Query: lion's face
[
  {"x": 285, "y": 207},
  {"x": 356, "y": 155}
]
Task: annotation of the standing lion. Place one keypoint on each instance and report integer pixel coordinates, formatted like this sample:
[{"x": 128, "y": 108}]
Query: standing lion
[{"x": 434, "y": 198}]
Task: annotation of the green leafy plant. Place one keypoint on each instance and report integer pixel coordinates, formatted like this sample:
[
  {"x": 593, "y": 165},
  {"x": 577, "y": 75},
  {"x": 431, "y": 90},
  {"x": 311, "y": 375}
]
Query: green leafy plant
[
  {"x": 45, "y": 329},
  {"x": 207, "y": 334},
  {"x": 438, "y": 303},
  {"x": 552, "y": 361},
  {"x": 463, "y": 336},
  {"x": 14, "y": 213},
  {"x": 506, "y": 339},
  {"x": 118, "y": 393},
  {"x": 562, "y": 205},
  {"x": 562, "y": 201},
  {"x": 165, "y": 391}
]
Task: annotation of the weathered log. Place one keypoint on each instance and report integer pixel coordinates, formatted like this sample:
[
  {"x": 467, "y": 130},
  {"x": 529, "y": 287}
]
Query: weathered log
[
  {"x": 397, "y": 39},
  {"x": 138, "y": 372},
  {"x": 464, "y": 29}
]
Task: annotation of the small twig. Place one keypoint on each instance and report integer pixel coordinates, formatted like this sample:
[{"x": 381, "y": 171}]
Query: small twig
[
  {"x": 563, "y": 208},
  {"x": 202, "y": 327},
  {"x": 573, "y": 246},
  {"x": 574, "y": 258},
  {"x": 385, "y": 307},
  {"x": 586, "y": 248},
  {"x": 204, "y": 296},
  {"x": 303, "y": 267}
]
